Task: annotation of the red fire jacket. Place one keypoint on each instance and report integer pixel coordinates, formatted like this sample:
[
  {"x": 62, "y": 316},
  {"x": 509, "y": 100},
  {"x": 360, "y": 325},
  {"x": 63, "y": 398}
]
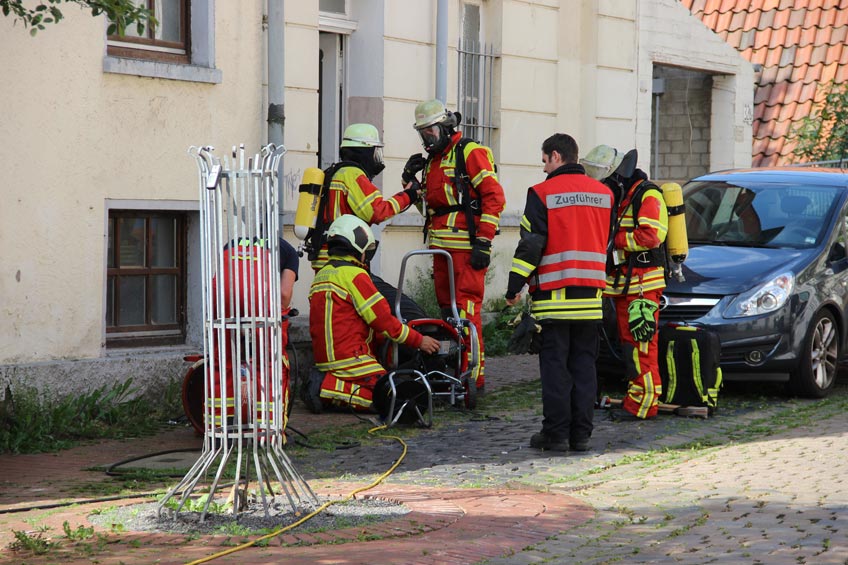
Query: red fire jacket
[
  {"x": 450, "y": 230},
  {"x": 345, "y": 312}
]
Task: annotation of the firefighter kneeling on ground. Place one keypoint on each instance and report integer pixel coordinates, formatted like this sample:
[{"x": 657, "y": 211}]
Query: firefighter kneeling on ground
[
  {"x": 346, "y": 312},
  {"x": 636, "y": 272}
]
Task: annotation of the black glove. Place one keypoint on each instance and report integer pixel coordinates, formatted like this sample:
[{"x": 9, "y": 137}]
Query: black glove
[
  {"x": 481, "y": 254},
  {"x": 414, "y": 192},
  {"x": 525, "y": 336},
  {"x": 414, "y": 164}
]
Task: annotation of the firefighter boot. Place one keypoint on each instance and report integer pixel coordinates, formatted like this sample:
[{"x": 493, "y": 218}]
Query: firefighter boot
[{"x": 310, "y": 392}]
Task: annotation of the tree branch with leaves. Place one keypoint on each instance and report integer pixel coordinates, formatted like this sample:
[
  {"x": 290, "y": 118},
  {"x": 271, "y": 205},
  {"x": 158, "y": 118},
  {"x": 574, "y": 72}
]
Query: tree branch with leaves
[
  {"x": 121, "y": 13},
  {"x": 823, "y": 134}
]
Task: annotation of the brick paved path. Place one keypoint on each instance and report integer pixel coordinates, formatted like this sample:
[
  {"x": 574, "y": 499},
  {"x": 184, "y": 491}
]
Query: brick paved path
[{"x": 479, "y": 494}]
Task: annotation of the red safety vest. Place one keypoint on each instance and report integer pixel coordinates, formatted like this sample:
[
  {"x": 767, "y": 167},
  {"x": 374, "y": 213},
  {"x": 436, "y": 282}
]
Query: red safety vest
[{"x": 578, "y": 223}]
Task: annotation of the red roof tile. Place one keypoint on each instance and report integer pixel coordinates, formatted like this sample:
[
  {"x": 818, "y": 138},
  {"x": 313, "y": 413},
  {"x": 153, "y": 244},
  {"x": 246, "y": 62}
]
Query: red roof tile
[
  {"x": 802, "y": 110},
  {"x": 778, "y": 38},
  {"x": 838, "y": 35},
  {"x": 827, "y": 18},
  {"x": 819, "y": 54},
  {"x": 784, "y": 73},
  {"x": 723, "y": 21},
  {"x": 773, "y": 56},
  {"x": 727, "y": 5},
  {"x": 697, "y": 6},
  {"x": 737, "y": 22},
  {"x": 751, "y": 19},
  {"x": 793, "y": 36},
  {"x": 828, "y": 73},
  {"x": 796, "y": 18},
  {"x": 812, "y": 18},
  {"x": 766, "y": 20}
]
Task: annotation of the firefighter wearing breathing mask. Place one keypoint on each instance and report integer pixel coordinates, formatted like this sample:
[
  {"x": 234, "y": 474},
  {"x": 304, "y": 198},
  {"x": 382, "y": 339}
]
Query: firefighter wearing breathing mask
[
  {"x": 464, "y": 201},
  {"x": 635, "y": 272},
  {"x": 351, "y": 190}
]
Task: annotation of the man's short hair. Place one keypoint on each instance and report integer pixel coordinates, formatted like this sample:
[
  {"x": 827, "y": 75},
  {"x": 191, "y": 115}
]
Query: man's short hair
[{"x": 563, "y": 144}]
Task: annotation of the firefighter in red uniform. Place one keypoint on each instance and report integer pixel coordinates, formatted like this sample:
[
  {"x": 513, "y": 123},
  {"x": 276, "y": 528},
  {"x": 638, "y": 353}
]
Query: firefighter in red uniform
[
  {"x": 345, "y": 312},
  {"x": 636, "y": 277},
  {"x": 351, "y": 190},
  {"x": 463, "y": 210},
  {"x": 245, "y": 282},
  {"x": 562, "y": 256}
]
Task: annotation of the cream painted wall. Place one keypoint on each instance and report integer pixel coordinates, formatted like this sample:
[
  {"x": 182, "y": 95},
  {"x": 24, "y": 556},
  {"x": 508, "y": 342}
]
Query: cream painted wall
[{"x": 73, "y": 136}]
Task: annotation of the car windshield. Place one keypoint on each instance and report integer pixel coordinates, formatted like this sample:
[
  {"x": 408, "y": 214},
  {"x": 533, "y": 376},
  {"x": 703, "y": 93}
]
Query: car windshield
[{"x": 757, "y": 214}]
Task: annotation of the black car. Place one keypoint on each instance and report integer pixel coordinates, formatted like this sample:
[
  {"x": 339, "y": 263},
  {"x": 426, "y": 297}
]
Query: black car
[{"x": 767, "y": 269}]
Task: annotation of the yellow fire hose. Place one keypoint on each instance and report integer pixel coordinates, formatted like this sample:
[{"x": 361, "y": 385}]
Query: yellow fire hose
[{"x": 315, "y": 512}]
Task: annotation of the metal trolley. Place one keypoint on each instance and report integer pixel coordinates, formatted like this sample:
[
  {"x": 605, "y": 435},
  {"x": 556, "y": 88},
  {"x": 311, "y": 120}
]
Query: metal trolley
[{"x": 445, "y": 375}]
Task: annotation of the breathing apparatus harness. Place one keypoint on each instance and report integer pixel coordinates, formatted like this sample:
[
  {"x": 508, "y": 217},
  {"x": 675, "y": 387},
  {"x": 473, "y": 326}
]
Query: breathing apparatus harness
[
  {"x": 655, "y": 257},
  {"x": 470, "y": 206},
  {"x": 317, "y": 236}
]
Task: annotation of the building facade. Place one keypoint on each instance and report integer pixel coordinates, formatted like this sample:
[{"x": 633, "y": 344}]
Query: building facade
[{"x": 99, "y": 268}]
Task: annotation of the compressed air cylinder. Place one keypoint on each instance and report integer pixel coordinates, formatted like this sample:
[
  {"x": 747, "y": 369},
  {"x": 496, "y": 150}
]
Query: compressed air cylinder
[
  {"x": 676, "y": 240},
  {"x": 307, "y": 202}
]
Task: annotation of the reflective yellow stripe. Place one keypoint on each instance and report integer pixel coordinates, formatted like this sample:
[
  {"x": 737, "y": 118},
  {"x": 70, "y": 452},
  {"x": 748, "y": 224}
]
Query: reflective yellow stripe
[
  {"x": 522, "y": 268},
  {"x": 672, "y": 371}
]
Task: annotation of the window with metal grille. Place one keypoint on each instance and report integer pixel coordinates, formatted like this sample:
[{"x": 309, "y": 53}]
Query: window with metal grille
[
  {"x": 476, "y": 77},
  {"x": 166, "y": 41},
  {"x": 145, "y": 292}
]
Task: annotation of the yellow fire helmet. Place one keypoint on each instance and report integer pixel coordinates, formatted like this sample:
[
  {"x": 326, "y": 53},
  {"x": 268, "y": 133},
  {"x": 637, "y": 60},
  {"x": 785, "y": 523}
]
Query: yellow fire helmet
[{"x": 601, "y": 161}]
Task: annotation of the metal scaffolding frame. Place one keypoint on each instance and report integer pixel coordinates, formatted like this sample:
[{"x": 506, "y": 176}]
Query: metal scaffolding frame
[{"x": 245, "y": 388}]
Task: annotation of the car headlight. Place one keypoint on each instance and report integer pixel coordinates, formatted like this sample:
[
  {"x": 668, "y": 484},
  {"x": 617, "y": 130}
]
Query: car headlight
[{"x": 762, "y": 299}]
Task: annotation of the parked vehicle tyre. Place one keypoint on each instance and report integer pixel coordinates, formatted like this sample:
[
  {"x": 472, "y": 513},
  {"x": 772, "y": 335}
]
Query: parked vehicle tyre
[{"x": 816, "y": 372}]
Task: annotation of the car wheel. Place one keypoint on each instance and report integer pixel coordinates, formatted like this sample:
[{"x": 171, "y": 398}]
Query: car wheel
[{"x": 816, "y": 372}]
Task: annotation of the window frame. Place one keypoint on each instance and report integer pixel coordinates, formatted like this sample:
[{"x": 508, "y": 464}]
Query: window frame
[
  {"x": 476, "y": 76},
  {"x": 200, "y": 65},
  {"x": 146, "y": 334},
  {"x": 154, "y": 49}
]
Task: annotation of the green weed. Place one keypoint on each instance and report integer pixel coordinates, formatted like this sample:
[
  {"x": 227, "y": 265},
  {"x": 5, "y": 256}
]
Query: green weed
[
  {"x": 32, "y": 542},
  {"x": 81, "y": 533},
  {"x": 38, "y": 423},
  {"x": 197, "y": 505}
]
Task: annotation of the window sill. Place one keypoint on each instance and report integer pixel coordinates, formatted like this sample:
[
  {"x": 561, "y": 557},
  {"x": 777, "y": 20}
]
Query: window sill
[
  {"x": 156, "y": 69},
  {"x": 151, "y": 351}
]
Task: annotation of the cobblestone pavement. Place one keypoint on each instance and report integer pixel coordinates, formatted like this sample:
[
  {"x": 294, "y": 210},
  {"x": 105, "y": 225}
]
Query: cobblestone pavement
[{"x": 671, "y": 490}]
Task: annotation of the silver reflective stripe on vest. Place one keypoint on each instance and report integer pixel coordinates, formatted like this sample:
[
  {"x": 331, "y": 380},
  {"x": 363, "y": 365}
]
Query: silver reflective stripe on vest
[
  {"x": 593, "y": 199},
  {"x": 589, "y": 274},
  {"x": 574, "y": 256}
]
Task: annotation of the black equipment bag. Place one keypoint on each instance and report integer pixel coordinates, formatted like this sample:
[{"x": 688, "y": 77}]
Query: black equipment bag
[{"x": 689, "y": 359}]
